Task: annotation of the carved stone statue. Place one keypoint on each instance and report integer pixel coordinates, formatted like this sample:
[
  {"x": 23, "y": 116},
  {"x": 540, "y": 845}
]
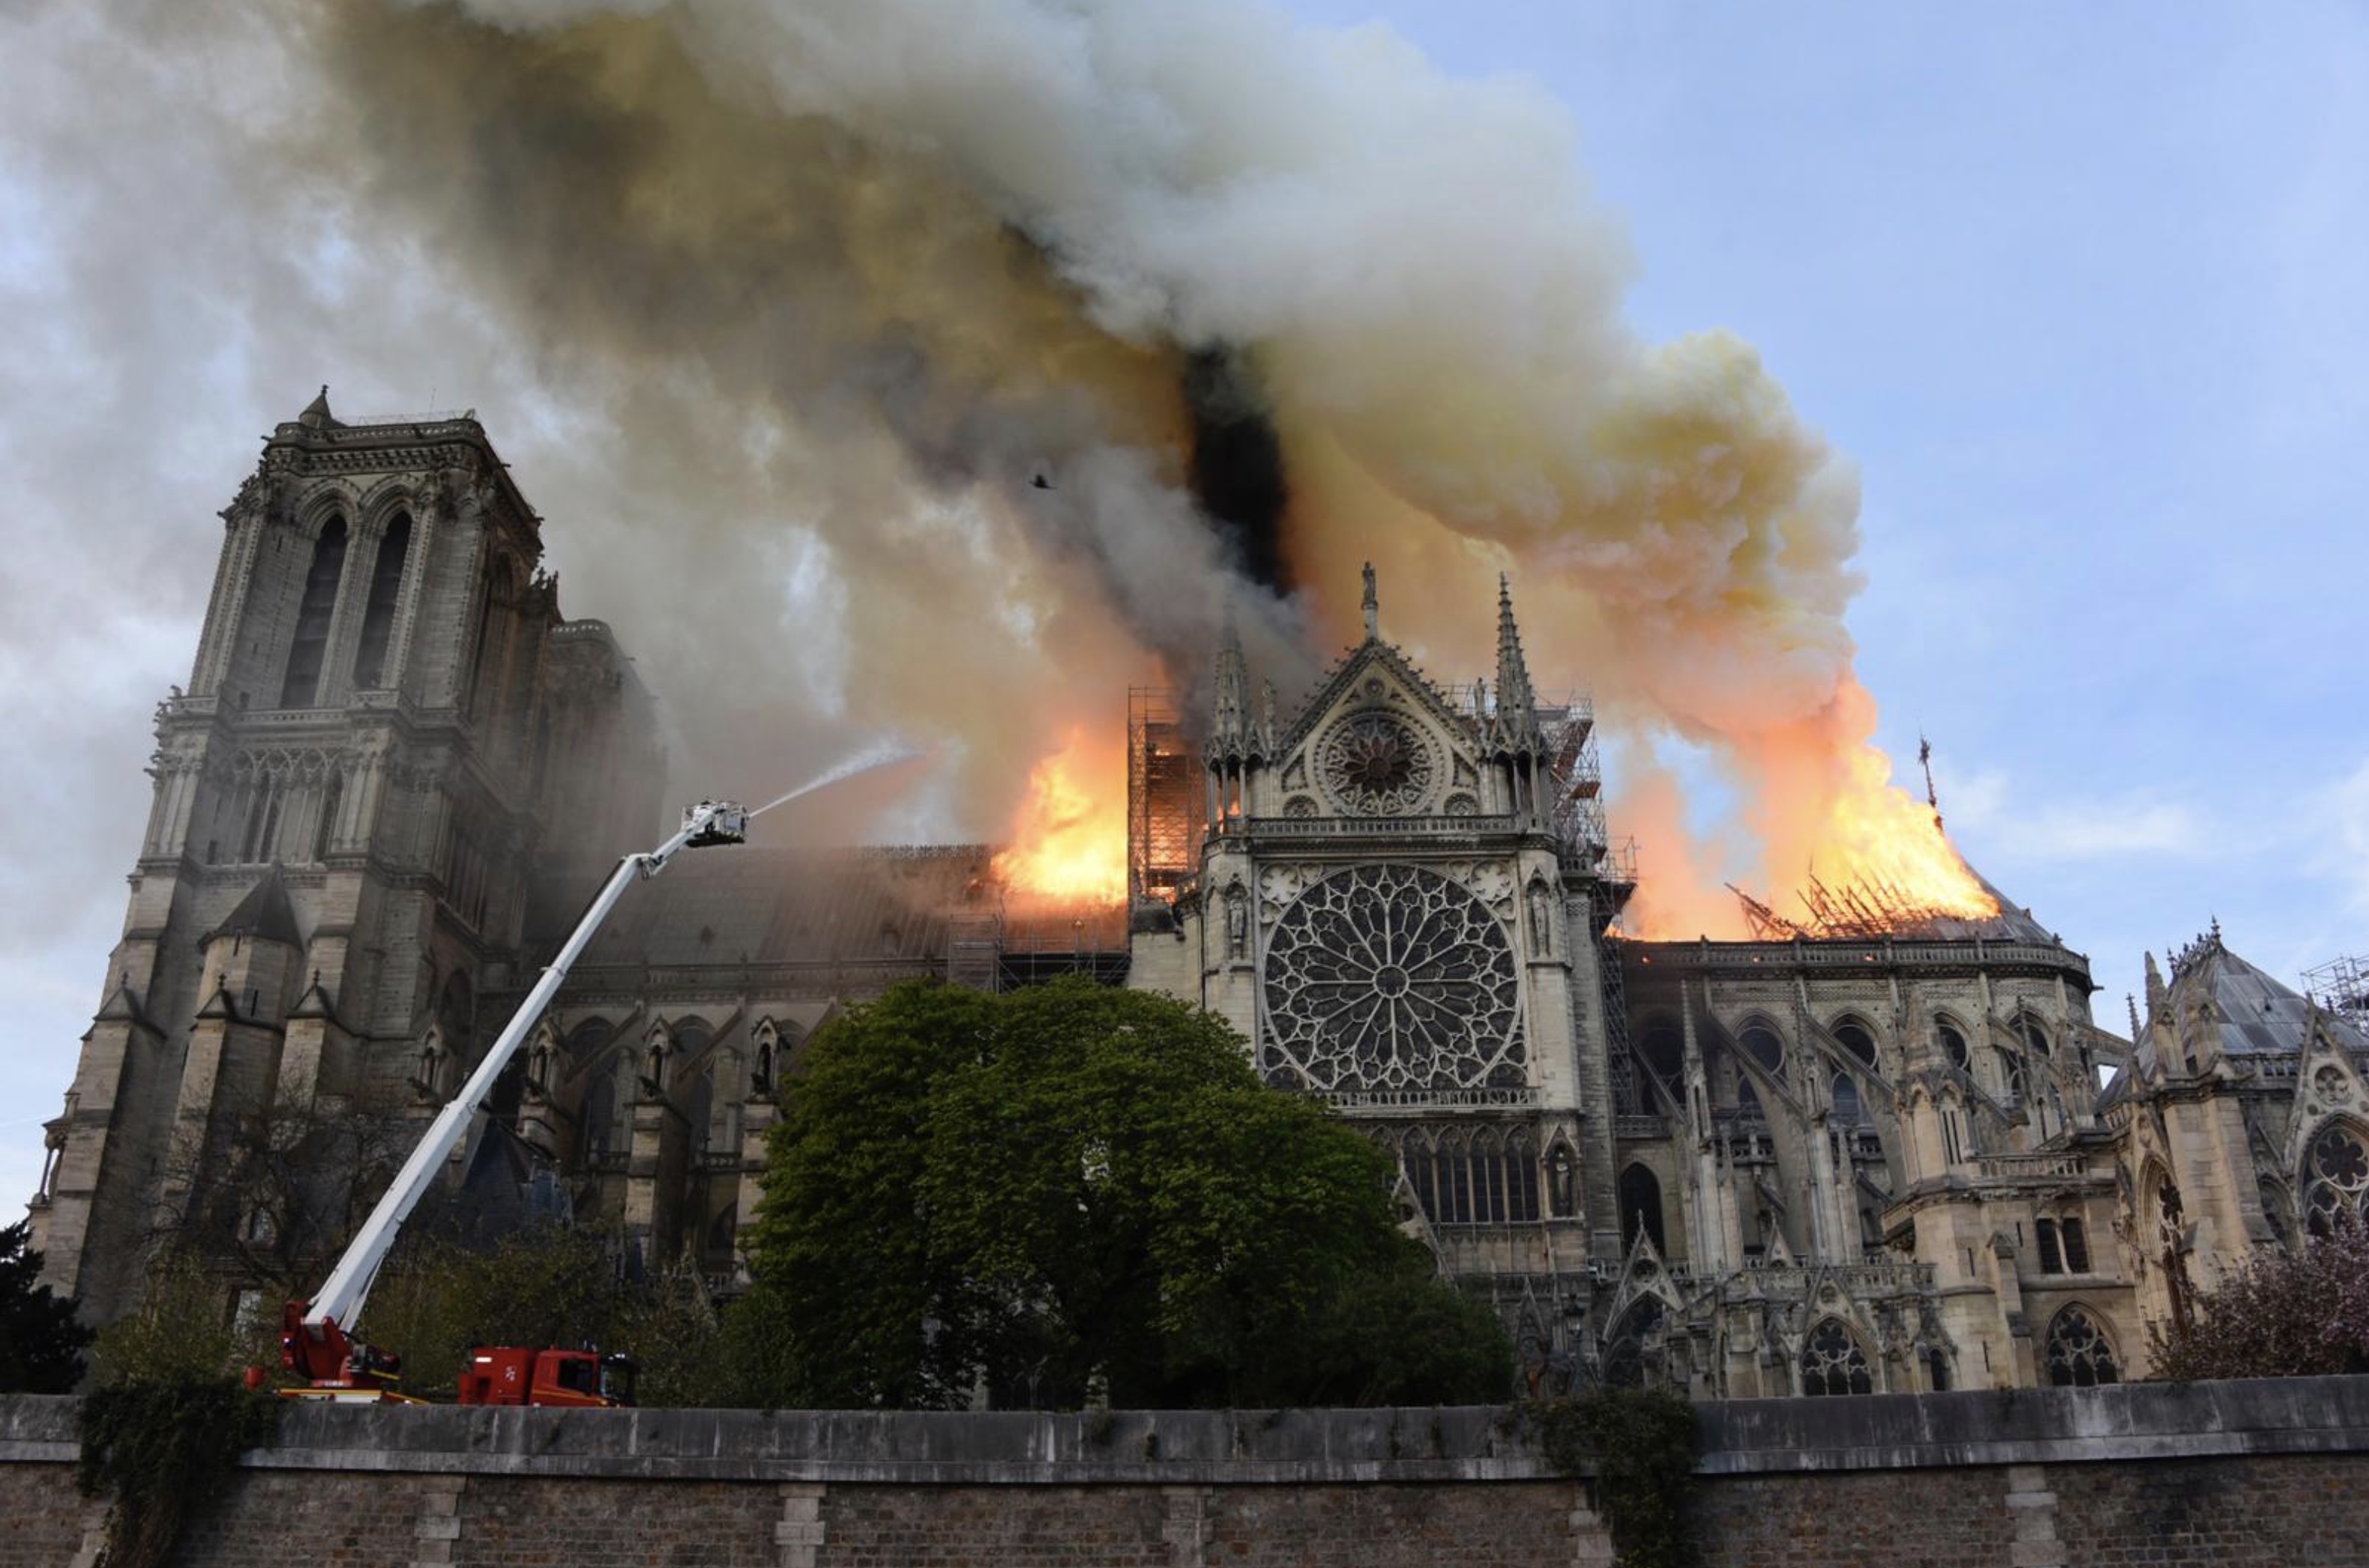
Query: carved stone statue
[
  {"x": 1542, "y": 916},
  {"x": 1238, "y": 922},
  {"x": 1562, "y": 1181}
]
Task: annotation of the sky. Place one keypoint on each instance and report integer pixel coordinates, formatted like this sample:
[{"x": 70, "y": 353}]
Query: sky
[{"x": 2075, "y": 290}]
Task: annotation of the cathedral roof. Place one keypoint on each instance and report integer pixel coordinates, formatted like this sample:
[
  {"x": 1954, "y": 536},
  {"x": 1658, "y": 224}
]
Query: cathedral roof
[
  {"x": 2219, "y": 1004},
  {"x": 2252, "y": 1012},
  {"x": 317, "y": 413},
  {"x": 265, "y": 914},
  {"x": 2014, "y": 923},
  {"x": 815, "y": 906}
]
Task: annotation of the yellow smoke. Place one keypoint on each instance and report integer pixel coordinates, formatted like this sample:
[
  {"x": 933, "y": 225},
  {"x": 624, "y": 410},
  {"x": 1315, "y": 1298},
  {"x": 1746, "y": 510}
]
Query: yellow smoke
[{"x": 869, "y": 270}]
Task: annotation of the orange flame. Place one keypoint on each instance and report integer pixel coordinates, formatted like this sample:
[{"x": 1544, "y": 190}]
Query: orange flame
[
  {"x": 1823, "y": 806},
  {"x": 1878, "y": 834},
  {"x": 1069, "y": 841}
]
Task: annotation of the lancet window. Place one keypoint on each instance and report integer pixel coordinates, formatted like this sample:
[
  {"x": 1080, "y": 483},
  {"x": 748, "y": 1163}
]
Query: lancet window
[
  {"x": 312, "y": 641},
  {"x": 1473, "y": 1175},
  {"x": 378, "y": 614}
]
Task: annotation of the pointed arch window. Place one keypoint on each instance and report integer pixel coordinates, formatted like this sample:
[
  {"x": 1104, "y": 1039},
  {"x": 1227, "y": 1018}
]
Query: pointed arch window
[
  {"x": 1858, "y": 1039},
  {"x": 2052, "y": 1255},
  {"x": 1767, "y": 1048},
  {"x": 2335, "y": 1179},
  {"x": 320, "y": 602},
  {"x": 324, "y": 833},
  {"x": 2079, "y": 1356},
  {"x": 2077, "y": 1247},
  {"x": 378, "y": 612},
  {"x": 1832, "y": 1363},
  {"x": 1662, "y": 1050},
  {"x": 1641, "y": 1209},
  {"x": 1953, "y": 1044}
]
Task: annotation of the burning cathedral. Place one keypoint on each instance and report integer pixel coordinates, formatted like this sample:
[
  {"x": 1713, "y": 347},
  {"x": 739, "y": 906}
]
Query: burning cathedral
[{"x": 1889, "y": 1148}]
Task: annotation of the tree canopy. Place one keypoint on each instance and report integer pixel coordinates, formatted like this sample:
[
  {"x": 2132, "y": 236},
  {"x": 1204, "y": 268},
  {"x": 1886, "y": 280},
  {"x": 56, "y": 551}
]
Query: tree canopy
[
  {"x": 41, "y": 1341},
  {"x": 2296, "y": 1315},
  {"x": 1071, "y": 1185}
]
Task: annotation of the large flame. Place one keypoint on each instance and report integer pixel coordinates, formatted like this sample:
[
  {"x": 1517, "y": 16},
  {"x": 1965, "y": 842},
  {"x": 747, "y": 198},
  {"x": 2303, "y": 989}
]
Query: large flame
[
  {"x": 1881, "y": 836},
  {"x": 1069, "y": 842}
]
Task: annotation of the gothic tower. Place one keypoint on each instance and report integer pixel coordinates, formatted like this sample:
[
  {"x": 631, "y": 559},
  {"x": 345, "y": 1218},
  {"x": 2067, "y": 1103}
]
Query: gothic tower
[{"x": 386, "y": 722}]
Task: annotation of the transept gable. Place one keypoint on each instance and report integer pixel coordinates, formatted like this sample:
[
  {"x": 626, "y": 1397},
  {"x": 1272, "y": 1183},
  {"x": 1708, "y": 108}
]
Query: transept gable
[
  {"x": 2329, "y": 1087},
  {"x": 1321, "y": 751}
]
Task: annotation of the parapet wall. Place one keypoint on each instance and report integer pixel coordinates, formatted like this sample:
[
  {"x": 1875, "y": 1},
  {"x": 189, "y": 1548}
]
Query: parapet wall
[{"x": 2269, "y": 1472}]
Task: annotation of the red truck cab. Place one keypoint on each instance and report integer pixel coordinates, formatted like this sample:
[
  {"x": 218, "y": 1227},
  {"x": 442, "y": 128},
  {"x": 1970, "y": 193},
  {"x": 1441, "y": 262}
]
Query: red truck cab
[{"x": 503, "y": 1374}]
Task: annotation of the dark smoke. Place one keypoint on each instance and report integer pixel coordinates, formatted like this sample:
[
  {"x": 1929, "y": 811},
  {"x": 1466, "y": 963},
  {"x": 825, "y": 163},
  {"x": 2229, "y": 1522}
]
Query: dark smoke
[{"x": 1238, "y": 470}]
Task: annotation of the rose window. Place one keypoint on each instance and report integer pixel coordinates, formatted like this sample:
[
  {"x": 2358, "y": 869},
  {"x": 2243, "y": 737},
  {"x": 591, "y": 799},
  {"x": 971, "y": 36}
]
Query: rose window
[
  {"x": 1375, "y": 765},
  {"x": 1389, "y": 977}
]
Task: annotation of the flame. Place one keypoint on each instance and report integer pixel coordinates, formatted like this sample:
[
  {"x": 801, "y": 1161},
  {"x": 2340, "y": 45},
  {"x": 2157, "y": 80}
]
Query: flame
[
  {"x": 1875, "y": 833},
  {"x": 1070, "y": 839},
  {"x": 1822, "y": 806}
]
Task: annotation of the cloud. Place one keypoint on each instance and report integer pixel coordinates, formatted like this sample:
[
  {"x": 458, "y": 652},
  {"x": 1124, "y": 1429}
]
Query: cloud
[{"x": 1985, "y": 815}]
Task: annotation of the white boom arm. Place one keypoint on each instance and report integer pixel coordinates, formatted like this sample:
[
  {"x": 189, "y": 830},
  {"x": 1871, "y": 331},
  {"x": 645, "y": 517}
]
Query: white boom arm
[{"x": 339, "y": 1302}]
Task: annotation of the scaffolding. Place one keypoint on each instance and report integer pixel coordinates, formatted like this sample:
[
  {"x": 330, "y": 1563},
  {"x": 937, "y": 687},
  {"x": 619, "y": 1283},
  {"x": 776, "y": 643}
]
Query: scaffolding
[
  {"x": 1167, "y": 799},
  {"x": 2341, "y": 986}
]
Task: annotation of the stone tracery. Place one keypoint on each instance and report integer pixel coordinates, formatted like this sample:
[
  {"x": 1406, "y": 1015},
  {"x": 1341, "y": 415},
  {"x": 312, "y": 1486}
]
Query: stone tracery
[{"x": 1392, "y": 976}]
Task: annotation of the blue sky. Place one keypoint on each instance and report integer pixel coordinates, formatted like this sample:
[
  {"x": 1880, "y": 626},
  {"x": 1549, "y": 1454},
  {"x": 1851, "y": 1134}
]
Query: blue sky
[{"x": 2077, "y": 289}]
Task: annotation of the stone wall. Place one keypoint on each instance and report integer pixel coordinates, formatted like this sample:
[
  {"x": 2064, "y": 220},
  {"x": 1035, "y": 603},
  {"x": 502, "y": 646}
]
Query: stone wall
[{"x": 2271, "y": 1473}]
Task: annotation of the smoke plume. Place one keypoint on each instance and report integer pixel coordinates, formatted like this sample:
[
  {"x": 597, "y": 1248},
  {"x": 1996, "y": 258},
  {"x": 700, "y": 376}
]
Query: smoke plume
[{"x": 941, "y": 368}]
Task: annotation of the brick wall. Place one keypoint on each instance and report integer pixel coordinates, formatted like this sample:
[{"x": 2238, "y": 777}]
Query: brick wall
[
  {"x": 1926, "y": 1519},
  {"x": 2265, "y": 1474},
  {"x": 44, "y": 1516},
  {"x": 2277, "y": 1512}
]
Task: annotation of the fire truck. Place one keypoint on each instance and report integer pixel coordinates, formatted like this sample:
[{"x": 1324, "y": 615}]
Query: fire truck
[{"x": 314, "y": 1342}]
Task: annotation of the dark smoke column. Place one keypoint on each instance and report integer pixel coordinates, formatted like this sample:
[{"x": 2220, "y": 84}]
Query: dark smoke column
[{"x": 1237, "y": 473}]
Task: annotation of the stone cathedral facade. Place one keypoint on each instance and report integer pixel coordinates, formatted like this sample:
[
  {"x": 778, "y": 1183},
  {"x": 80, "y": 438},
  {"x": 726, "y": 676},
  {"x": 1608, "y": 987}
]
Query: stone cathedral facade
[{"x": 1732, "y": 1168}]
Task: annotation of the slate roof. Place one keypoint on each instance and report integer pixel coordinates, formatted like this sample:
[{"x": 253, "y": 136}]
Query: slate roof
[
  {"x": 747, "y": 905},
  {"x": 2254, "y": 1014}
]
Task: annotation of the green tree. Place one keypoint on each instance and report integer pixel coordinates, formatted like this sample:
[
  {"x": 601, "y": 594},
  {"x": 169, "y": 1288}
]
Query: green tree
[
  {"x": 187, "y": 1329},
  {"x": 40, "y": 1339},
  {"x": 1070, "y": 1185}
]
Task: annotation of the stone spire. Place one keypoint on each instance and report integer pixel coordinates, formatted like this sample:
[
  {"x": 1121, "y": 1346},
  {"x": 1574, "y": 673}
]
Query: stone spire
[
  {"x": 1229, "y": 729},
  {"x": 1373, "y": 608},
  {"x": 1517, "y": 714}
]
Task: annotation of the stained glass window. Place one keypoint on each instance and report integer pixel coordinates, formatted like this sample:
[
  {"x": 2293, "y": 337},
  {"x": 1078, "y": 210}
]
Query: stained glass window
[
  {"x": 1832, "y": 1362},
  {"x": 1392, "y": 976},
  {"x": 2078, "y": 1355}
]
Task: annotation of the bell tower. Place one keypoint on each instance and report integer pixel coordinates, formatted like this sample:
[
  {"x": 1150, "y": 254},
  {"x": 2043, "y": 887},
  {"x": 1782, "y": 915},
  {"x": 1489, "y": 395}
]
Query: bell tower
[{"x": 347, "y": 798}]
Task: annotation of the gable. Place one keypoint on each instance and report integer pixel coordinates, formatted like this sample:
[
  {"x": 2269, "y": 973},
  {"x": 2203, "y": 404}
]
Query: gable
[{"x": 1377, "y": 739}]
